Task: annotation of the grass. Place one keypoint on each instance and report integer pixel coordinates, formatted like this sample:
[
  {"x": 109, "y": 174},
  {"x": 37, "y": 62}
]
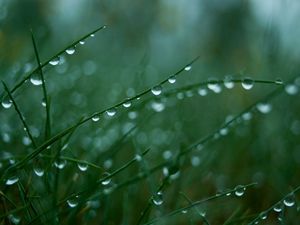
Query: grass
[{"x": 46, "y": 181}]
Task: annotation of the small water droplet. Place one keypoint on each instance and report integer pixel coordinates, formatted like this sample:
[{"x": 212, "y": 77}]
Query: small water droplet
[
  {"x": 291, "y": 89},
  {"x": 247, "y": 83},
  {"x": 70, "y": 51},
  {"x": 157, "y": 199},
  {"x": 12, "y": 180},
  {"x": 96, "y": 118},
  {"x": 127, "y": 104},
  {"x": 138, "y": 157},
  {"x": 263, "y": 215},
  {"x": 105, "y": 181},
  {"x": 188, "y": 68},
  {"x": 264, "y": 107},
  {"x": 38, "y": 171},
  {"x": 82, "y": 42},
  {"x": 111, "y": 112},
  {"x": 36, "y": 79},
  {"x": 214, "y": 85},
  {"x": 172, "y": 79},
  {"x": 156, "y": 90},
  {"x": 202, "y": 91},
  {"x": 195, "y": 161},
  {"x": 278, "y": 81},
  {"x": 228, "y": 83},
  {"x": 184, "y": 211},
  {"x": 55, "y": 61},
  {"x": 247, "y": 116},
  {"x": 157, "y": 106},
  {"x": 239, "y": 190},
  {"x": 73, "y": 202},
  {"x": 44, "y": 102},
  {"x": 92, "y": 35},
  {"x": 278, "y": 207},
  {"x": 6, "y": 102},
  {"x": 289, "y": 200},
  {"x": 82, "y": 166},
  {"x": 60, "y": 164},
  {"x": 224, "y": 131}
]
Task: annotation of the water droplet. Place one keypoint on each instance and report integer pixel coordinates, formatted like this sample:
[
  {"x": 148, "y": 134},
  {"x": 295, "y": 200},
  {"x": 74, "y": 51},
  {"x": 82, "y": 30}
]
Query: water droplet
[
  {"x": 111, "y": 112},
  {"x": 188, "y": 68},
  {"x": 82, "y": 166},
  {"x": 214, "y": 85},
  {"x": 157, "y": 106},
  {"x": 127, "y": 104},
  {"x": 247, "y": 116},
  {"x": 73, "y": 202},
  {"x": 291, "y": 89},
  {"x": 224, "y": 131},
  {"x": 228, "y": 83},
  {"x": 202, "y": 91},
  {"x": 105, "y": 181},
  {"x": 278, "y": 81},
  {"x": 70, "y": 51},
  {"x": 184, "y": 211},
  {"x": 247, "y": 83},
  {"x": 96, "y": 118},
  {"x": 6, "y": 102},
  {"x": 239, "y": 190},
  {"x": 172, "y": 79},
  {"x": 54, "y": 61},
  {"x": 44, "y": 102},
  {"x": 278, "y": 207},
  {"x": 264, "y": 107},
  {"x": 156, "y": 90},
  {"x": 36, "y": 79},
  {"x": 92, "y": 35},
  {"x": 38, "y": 171},
  {"x": 60, "y": 164},
  {"x": 263, "y": 215},
  {"x": 290, "y": 200},
  {"x": 157, "y": 199},
  {"x": 195, "y": 161},
  {"x": 82, "y": 42},
  {"x": 14, "y": 219},
  {"x": 138, "y": 157},
  {"x": 12, "y": 180}
]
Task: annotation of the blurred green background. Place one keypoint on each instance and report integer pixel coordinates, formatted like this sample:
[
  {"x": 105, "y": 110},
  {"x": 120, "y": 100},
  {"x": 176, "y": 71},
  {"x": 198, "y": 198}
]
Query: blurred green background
[{"x": 145, "y": 42}]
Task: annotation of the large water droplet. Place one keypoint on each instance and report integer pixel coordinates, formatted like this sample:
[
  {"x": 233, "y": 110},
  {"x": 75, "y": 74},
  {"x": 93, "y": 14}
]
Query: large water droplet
[
  {"x": 289, "y": 200},
  {"x": 105, "y": 178},
  {"x": 188, "y": 68},
  {"x": 157, "y": 199},
  {"x": 156, "y": 90},
  {"x": 6, "y": 102},
  {"x": 172, "y": 79},
  {"x": 54, "y": 61},
  {"x": 70, "y": 51},
  {"x": 291, "y": 89},
  {"x": 228, "y": 83},
  {"x": 264, "y": 107},
  {"x": 73, "y": 202},
  {"x": 82, "y": 166},
  {"x": 157, "y": 106},
  {"x": 247, "y": 83},
  {"x": 36, "y": 79},
  {"x": 278, "y": 207},
  {"x": 111, "y": 112},
  {"x": 127, "y": 104},
  {"x": 38, "y": 171},
  {"x": 12, "y": 180},
  {"x": 239, "y": 190}
]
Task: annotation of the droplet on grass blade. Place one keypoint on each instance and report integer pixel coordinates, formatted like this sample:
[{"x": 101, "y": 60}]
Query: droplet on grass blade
[
  {"x": 247, "y": 83},
  {"x": 156, "y": 90}
]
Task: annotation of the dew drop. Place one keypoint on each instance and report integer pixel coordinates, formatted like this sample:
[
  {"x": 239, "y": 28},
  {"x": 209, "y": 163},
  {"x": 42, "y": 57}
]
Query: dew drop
[
  {"x": 224, "y": 131},
  {"x": 44, "y": 102},
  {"x": 156, "y": 90},
  {"x": 70, "y": 51},
  {"x": 12, "y": 180},
  {"x": 278, "y": 81},
  {"x": 105, "y": 181},
  {"x": 264, "y": 107},
  {"x": 157, "y": 199},
  {"x": 60, "y": 164},
  {"x": 36, "y": 79},
  {"x": 184, "y": 211},
  {"x": 247, "y": 116},
  {"x": 111, "y": 112},
  {"x": 72, "y": 203},
  {"x": 278, "y": 207},
  {"x": 195, "y": 161},
  {"x": 54, "y": 61},
  {"x": 96, "y": 118},
  {"x": 127, "y": 104},
  {"x": 82, "y": 166},
  {"x": 239, "y": 190},
  {"x": 214, "y": 85},
  {"x": 92, "y": 35},
  {"x": 157, "y": 106},
  {"x": 14, "y": 219},
  {"x": 6, "y": 102},
  {"x": 291, "y": 89},
  {"x": 289, "y": 201},
  {"x": 188, "y": 68},
  {"x": 39, "y": 171},
  {"x": 228, "y": 83},
  {"x": 263, "y": 215},
  {"x": 138, "y": 157},
  {"x": 202, "y": 92},
  {"x": 172, "y": 79},
  {"x": 247, "y": 83},
  {"x": 82, "y": 42}
]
